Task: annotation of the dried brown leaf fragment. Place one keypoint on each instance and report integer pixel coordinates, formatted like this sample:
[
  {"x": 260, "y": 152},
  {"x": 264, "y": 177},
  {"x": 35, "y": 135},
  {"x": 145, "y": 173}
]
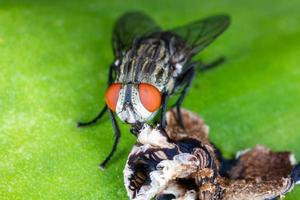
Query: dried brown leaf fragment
[{"x": 181, "y": 163}]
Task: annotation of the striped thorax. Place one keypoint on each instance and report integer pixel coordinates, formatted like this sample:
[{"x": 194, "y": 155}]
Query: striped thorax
[{"x": 149, "y": 66}]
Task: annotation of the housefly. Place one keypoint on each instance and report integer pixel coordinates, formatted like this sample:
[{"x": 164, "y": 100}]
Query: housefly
[{"x": 150, "y": 65}]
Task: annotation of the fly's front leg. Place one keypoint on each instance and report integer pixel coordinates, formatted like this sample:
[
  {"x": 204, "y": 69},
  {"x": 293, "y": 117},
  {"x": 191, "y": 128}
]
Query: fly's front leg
[
  {"x": 135, "y": 128},
  {"x": 187, "y": 79},
  {"x": 166, "y": 197},
  {"x": 104, "y": 109},
  {"x": 163, "y": 110},
  {"x": 93, "y": 121},
  {"x": 206, "y": 66},
  {"x": 116, "y": 141},
  {"x": 295, "y": 175}
]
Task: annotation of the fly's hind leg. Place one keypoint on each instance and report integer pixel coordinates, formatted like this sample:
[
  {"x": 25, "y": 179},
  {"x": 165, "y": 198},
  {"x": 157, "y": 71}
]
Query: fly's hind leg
[
  {"x": 186, "y": 80},
  {"x": 207, "y": 66}
]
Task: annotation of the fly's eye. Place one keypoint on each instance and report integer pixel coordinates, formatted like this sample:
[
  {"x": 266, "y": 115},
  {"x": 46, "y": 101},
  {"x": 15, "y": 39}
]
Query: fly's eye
[
  {"x": 112, "y": 95},
  {"x": 150, "y": 96}
]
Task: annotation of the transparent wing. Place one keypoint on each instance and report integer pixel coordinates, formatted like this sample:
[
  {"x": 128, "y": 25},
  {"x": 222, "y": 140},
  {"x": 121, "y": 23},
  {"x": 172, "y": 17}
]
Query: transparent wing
[
  {"x": 199, "y": 34},
  {"x": 131, "y": 26}
]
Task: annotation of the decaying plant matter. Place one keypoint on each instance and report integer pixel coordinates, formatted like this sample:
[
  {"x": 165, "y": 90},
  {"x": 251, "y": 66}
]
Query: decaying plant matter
[{"x": 177, "y": 163}]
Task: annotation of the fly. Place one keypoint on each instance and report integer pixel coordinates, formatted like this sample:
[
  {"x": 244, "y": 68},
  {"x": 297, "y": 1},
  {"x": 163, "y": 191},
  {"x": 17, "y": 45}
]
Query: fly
[{"x": 150, "y": 65}]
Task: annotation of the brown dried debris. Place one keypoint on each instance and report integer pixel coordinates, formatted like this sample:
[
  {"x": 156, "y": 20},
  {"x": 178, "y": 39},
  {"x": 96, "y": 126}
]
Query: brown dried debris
[
  {"x": 263, "y": 163},
  {"x": 179, "y": 163},
  {"x": 194, "y": 127}
]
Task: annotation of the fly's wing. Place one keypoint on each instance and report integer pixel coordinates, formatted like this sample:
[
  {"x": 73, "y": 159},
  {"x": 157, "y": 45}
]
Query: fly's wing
[
  {"x": 199, "y": 34},
  {"x": 131, "y": 26}
]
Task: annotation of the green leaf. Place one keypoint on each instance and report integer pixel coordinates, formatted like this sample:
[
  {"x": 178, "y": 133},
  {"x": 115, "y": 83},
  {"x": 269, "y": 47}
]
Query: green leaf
[{"x": 54, "y": 59}]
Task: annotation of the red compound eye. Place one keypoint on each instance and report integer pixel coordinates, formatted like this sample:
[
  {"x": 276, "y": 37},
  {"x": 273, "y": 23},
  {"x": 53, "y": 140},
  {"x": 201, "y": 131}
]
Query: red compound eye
[
  {"x": 150, "y": 96},
  {"x": 112, "y": 95}
]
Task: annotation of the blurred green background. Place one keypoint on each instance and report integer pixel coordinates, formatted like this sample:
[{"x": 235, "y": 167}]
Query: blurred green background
[{"x": 54, "y": 57}]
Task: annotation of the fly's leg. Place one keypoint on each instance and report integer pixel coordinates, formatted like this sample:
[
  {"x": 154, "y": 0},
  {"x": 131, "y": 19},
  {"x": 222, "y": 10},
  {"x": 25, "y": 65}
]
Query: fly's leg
[
  {"x": 166, "y": 197},
  {"x": 116, "y": 141},
  {"x": 206, "y": 66},
  {"x": 295, "y": 175},
  {"x": 187, "y": 79},
  {"x": 93, "y": 121},
  {"x": 117, "y": 133},
  {"x": 163, "y": 110},
  {"x": 135, "y": 128},
  {"x": 104, "y": 109}
]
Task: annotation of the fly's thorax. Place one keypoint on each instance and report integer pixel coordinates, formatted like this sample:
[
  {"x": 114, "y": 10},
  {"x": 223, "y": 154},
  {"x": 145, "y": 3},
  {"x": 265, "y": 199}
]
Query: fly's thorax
[
  {"x": 130, "y": 108},
  {"x": 155, "y": 61},
  {"x": 149, "y": 62}
]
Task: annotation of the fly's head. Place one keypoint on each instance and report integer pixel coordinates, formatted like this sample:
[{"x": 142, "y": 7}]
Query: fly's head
[{"x": 133, "y": 103}]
